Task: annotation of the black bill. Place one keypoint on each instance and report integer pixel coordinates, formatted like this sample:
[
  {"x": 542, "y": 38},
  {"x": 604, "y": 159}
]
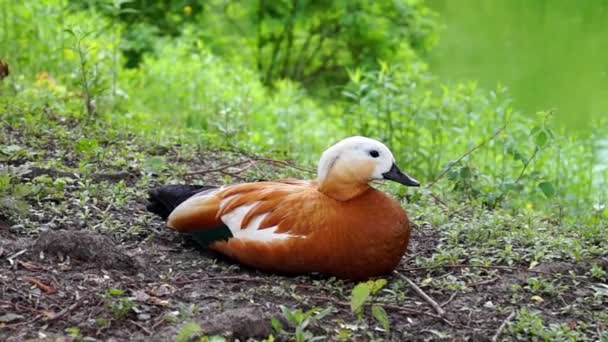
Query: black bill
[{"x": 398, "y": 176}]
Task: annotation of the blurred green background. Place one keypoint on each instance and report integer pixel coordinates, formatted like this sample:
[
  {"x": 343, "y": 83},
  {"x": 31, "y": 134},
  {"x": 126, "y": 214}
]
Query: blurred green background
[
  {"x": 551, "y": 54},
  {"x": 503, "y": 101}
]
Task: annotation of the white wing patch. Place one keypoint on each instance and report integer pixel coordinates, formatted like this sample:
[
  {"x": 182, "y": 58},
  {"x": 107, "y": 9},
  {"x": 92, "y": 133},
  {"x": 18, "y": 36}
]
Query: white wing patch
[{"x": 234, "y": 218}]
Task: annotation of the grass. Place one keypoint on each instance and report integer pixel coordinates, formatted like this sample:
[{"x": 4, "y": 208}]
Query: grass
[{"x": 480, "y": 264}]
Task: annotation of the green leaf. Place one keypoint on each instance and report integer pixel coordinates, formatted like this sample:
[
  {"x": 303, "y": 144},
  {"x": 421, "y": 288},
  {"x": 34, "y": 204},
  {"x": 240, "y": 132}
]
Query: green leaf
[
  {"x": 378, "y": 285},
  {"x": 74, "y": 331},
  {"x": 547, "y": 188},
  {"x": 290, "y": 315},
  {"x": 188, "y": 331},
  {"x": 380, "y": 315},
  {"x": 359, "y": 296},
  {"x": 324, "y": 313},
  {"x": 10, "y": 149},
  {"x": 115, "y": 292},
  {"x": 465, "y": 172},
  {"x": 276, "y": 325},
  {"x": 541, "y": 136},
  {"x": 213, "y": 338},
  {"x": 87, "y": 146}
]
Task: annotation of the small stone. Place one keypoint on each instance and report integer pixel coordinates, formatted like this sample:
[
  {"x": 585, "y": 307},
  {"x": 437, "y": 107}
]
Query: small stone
[
  {"x": 10, "y": 317},
  {"x": 143, "y": 316},
  {"x": 488, "y": 305}
]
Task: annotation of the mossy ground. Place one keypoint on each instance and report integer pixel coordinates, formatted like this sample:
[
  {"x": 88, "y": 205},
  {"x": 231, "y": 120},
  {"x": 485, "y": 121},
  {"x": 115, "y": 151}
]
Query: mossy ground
[{"x": 62, "y": 174}]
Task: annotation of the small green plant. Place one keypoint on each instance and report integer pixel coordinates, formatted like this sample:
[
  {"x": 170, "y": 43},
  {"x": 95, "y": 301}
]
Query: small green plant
[
  {"x": 598, "y": 272},
  {"x": 530, "y": 325},
  {"x": 300, "y": 320},
  {"x": 541, "y": 286},
  {"x": 14, "y": 195},
  {"x": 188, "y": 331},
  {"x": 91, "y": 79},
  {"x": 120, "y": 306},
  {"x": 362, "y": 293},
  {"x": 75, "y": 333}
]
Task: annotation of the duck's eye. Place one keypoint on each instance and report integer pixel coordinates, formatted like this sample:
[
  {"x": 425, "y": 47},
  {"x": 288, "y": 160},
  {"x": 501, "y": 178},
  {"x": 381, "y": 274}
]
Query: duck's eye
[{"x": 374, "y": 153}]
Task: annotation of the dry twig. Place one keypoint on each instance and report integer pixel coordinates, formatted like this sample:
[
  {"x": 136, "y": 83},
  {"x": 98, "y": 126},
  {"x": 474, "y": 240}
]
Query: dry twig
[
  {"x": 507, "y": 268},
  {"x": 230, "y": 278},
  {"x": 62, "y": 312},
  {"x": 466, "y": 154},
  {"x": 503, "y": 326},
  {"x": 422, "y": 294},
  {"x": 47, "y": 289},
  {"x": 146, "y": 330},
  {"x": 251, "y": 161}
]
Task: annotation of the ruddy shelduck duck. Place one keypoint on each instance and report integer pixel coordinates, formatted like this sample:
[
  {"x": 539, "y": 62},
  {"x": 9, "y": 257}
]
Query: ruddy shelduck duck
[{"x": 336, "y": 225}]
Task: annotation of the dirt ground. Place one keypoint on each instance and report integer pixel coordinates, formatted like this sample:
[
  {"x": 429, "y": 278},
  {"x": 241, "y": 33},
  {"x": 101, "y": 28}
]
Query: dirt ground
[
  {"x": 88, "y": 263},
  {"x": 62, "y": 280},
  {"x": 66, "y": 281}
]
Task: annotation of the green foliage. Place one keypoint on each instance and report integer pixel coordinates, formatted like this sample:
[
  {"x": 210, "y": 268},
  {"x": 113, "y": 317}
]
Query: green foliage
[
  {"x": 206, "y": 69},
  {"x": 300, "y": 321},
  {"x": 144, "y": 21},
  {"x": 382, "y": 317},
  {"x": 316, "y": 42},
  {"x": 75, "y": 333},
  {"x": 226, "y": 102},
  {"x": 362, "y": 293},
  {"x": 14, "y": 196},
  {"x": 530, "y": 324},
  {"x": 188, "y": 331},
  {"x": 119, "y": 305},
  {"x": 598, "y": 272}
]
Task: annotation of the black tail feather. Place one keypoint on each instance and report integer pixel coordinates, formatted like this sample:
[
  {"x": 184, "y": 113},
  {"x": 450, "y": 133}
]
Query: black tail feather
[{"x": 163, "y": 200}]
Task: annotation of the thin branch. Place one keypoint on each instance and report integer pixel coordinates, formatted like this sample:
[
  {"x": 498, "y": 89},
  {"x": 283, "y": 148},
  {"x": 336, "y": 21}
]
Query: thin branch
[
  {"x": 523, "y": 170},
  {"x": 146, "y": 330},
  {"x": 503, "y": 326},
  {"x": 439, "y": 200},
  {"x": 218, "y": 169},
  {"x": 300, "y": 58},
  {"x": 422, "y": 294},
  {"x": 251, "y": 161},
  {"x": 466, "y": 154},
  {"x": 449, "y": 300},
  {"x": 229, "y": 278},
  {"x": 508, "y": 268},
  {"x": 290, "y": 28},
  {"x": 283, "y": 163},
  {"x": 260, "y": 46},
  {"x": 62, "y": 312}
]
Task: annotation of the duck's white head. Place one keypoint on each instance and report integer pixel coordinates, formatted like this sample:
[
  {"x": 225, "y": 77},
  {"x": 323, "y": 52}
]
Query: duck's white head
[{"x": 359, "y": 160}]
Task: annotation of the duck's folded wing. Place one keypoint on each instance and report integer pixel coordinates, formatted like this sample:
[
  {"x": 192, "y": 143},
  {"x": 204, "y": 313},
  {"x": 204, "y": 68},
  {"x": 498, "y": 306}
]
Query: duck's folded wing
[
  {"x": 198, "y": 213},
  {"x": 259, "y": 211}
]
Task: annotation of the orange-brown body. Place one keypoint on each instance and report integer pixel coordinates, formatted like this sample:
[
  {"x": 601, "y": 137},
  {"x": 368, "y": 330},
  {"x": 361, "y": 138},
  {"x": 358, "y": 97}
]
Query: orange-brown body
[{"x": 358, "y": 238}]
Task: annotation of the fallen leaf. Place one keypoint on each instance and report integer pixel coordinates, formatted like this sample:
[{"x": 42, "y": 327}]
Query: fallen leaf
[
  {"x": 47, "y": 289},
  {"x": 162, "y": 290},
  {"x": 158, "y": 301},
  {"x": 29, "y": 266},
  {"x": 141, "y": 296},
  {"x": 537, "y": 299}
]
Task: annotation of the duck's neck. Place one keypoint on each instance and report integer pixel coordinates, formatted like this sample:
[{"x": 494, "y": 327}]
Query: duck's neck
[{"x": 342, "y": 189}]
